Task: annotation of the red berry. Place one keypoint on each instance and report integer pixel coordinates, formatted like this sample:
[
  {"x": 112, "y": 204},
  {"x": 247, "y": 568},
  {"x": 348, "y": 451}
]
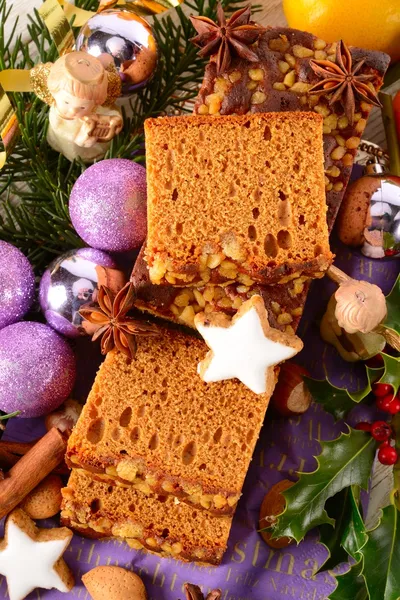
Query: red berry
[
  {"x": 394, "y": 406},
  {"x": 384, "y": 403},
  {"x": 381, "y": 431},
  {"x": 363, "y": 426},
  {"x": 375, "y": 362},
  {"x": 382, "y": 389},
  {"x": 387, "y": 455}
]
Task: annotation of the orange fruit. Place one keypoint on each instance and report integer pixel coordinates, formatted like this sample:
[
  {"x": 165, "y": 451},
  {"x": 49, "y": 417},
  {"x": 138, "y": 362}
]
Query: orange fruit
[{"x": 368, "y": 24}]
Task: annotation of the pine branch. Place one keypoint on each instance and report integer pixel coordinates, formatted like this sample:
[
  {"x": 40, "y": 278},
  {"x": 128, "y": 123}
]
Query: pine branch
[{"x": 38, "y": 177}]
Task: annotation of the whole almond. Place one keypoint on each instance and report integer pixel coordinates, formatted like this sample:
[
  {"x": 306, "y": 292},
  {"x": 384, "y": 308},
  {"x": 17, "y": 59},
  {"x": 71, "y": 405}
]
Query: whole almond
[{"x": 114, "y": 583}]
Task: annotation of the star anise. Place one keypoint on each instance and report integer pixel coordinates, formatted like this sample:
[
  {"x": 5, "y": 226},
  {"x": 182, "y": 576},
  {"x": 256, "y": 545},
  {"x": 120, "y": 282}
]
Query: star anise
[
  {"x": 193, "y": 592},
  {"x": 227, "y": 37},
  {"x": 341, "y": 78},
  {"x": 115, "y": 328}
]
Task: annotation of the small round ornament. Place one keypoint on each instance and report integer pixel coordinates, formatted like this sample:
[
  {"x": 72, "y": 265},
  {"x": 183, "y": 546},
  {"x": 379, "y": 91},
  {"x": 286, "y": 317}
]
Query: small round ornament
[
  {"x": 108, "y": 205},
  {"x": 73, "y": 280},
  {"x": 128, "y": 39},
  {"x": 369, "y": 216},
  {"x": 37, "y": 369},
  {"x": 17, "y": 284}
]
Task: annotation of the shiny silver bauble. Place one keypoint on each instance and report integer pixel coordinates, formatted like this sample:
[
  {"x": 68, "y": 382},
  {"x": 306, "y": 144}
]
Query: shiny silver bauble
[
  {"x": 73, "y": 280},
  {"x": 128, "y": 39}
]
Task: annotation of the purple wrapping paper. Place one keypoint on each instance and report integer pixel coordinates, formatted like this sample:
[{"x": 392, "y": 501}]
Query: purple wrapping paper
[{"x": 250, "y": 569}]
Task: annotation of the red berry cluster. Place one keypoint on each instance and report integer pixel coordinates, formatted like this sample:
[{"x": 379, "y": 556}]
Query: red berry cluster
[
  {"x": 385, "y": 398},
  {"x": 380, "y": 430}
]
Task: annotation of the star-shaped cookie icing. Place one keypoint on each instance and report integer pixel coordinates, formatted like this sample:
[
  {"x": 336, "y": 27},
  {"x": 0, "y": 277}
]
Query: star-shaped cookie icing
[
  {"x": 32, "y": 558},
  {"x": 245, "y": 347}
]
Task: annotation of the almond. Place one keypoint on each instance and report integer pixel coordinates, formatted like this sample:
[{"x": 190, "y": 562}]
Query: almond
[{"x": 114, "y": 583}]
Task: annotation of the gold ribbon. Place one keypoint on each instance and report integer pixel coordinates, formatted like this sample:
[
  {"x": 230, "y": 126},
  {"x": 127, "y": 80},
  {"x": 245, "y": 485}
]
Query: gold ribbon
[
  {"x": 58, "y": 25},
  {"x": 15, "y": 80},
  {"x": 8, "y": 126}
]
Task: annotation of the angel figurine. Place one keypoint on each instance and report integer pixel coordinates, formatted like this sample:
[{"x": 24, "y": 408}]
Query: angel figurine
[{"x": 81, "y": 91}]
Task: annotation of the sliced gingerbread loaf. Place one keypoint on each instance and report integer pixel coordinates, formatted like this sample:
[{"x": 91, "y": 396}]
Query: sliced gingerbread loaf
[
  {"x": 281, "y": 80},
  {"x": 221, "y": 205},
  {"x": 153, "y": 424},
  {"x": 155, "y": 523}
]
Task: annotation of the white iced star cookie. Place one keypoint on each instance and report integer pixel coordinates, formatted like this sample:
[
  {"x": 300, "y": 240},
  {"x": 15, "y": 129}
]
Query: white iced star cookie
[
  {"x": 31, "y": 557},
  {"x": 245, "y": 347}
]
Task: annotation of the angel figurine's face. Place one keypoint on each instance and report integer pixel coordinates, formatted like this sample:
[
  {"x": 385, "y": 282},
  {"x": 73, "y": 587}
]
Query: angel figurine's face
[{"x": 70, "y": 107}]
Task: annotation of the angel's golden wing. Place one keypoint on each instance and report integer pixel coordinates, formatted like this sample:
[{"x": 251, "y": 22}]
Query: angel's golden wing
[
  {"x": 114, "y": 85},
  {"x": 39, "y": 75}
]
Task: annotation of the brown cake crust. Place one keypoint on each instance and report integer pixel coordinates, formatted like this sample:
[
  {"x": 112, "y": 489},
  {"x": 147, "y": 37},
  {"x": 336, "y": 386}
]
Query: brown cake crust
[
  {"x": 155, "y": 523},
  {"x": 220, "y": 203},
  {"x": 283, "y": 84},
  {"x": 153, "y": 424}
]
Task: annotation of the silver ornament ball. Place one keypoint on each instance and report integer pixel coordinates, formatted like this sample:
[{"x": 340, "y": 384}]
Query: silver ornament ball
[
  {"x": 396, "y": 230},
  {"x": 71, "y": 281},
  {"x": 128, "y": 39}
]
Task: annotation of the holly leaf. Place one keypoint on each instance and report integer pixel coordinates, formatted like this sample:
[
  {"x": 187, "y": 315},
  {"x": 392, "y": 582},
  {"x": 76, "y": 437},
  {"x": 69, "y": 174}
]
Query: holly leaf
[
  {"x": 354, "y": 534},
  {"x": 381, "y": 555},
  {"x": 345, "y": 461},
  {"x": 350, "y": 585},
  {"x": 393, "y": 307},
  {"x": 391, "y": 373},
  {"x": 339, "y": 401},
  {"x": 348, "y": 535}
]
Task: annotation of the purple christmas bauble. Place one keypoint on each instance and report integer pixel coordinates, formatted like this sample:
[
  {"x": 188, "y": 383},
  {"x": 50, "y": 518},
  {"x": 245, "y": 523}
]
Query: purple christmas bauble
[
  {"x": 37, "y": 369},
  {"x": 17, "y": 284},
  {"x": 71, "y": 281},
  {"x": 108, "y": 205}
]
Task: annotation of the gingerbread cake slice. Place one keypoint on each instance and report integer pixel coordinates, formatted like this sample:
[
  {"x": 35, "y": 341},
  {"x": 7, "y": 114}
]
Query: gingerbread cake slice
[
  {"x": 281, "y": 81},
  {"x": 234, "y": 196},
  {"x": 153, "y": 424},
  {"x": 154, "y": 523},
  {"x": 284, "y": 303}
]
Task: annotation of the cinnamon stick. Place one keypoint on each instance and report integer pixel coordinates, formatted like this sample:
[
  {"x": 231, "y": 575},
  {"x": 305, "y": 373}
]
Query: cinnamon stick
[
  {"x": 29, "y": 471},
  {"x": 11, "y": 452}
]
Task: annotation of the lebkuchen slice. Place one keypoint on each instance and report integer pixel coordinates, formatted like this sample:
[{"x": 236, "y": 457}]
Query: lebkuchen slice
[
  {"x": 153, "y": 424},
  {"x": 236, "y": 196},
  {"x": 156, "y": 523}
]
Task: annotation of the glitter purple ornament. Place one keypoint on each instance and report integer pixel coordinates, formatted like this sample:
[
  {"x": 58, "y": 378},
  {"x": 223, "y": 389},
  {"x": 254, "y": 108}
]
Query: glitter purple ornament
[
  {"x": 37, "y": 369},
  {"x": 71, "y": 281},
  {"x": 108, "y": 205},
  {"x": 17, "y": 284}
]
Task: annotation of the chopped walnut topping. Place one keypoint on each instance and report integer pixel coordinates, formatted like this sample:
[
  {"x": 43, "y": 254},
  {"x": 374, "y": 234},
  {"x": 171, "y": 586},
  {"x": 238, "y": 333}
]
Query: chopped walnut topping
[
  {"x": 235, "y": 76},
  {"x": 289, "y": 78},
  {"x": 258, "y": 98},
  {"x": 256, "y": 74},
  {"x": 279, "y": 44},
  {"x": 338, "y": 153},
  {"x": 283, "y": 66},
  {"x": 319, "y": 44},
  {"x": 302, "y": 52}
]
